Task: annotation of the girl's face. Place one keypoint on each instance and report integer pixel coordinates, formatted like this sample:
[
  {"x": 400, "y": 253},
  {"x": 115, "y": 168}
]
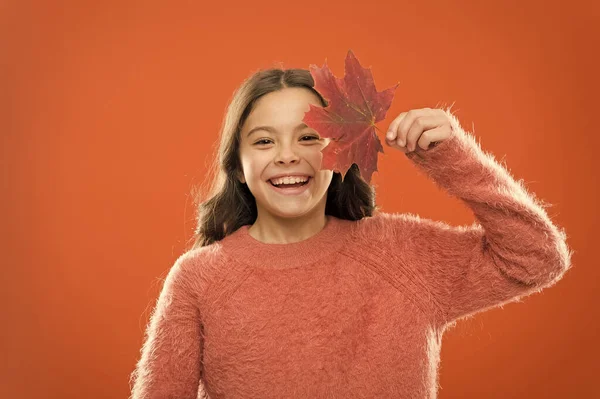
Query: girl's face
[{"x": 275, "y": 142}]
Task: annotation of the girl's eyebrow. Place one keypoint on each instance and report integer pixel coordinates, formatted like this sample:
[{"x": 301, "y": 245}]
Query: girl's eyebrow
[{"x": 271, "y": 129}]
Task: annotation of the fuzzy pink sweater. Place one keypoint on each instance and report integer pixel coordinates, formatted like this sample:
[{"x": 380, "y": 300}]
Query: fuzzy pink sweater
[{"x": 357, "y": 310}]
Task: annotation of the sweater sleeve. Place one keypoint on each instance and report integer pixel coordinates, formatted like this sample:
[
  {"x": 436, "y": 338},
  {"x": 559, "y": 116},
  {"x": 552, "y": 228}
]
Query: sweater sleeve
[
  {"x": 170, "y": 363},
  {"x": 512, "y": 250}
]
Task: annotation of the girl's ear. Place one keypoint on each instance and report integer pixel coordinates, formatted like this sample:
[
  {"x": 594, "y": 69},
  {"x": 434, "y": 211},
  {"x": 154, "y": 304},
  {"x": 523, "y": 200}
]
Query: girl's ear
[{"x": 240, "y": 177}]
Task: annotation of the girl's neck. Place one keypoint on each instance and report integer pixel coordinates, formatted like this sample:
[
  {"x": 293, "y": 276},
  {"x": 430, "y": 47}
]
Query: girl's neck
[
  {"x": 246, "y": 249},
  {"x": 271, "y": 230}
]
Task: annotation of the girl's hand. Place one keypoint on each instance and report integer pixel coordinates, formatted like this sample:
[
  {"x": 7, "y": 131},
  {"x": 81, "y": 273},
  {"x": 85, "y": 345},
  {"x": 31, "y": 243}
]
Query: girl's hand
[{"x": 418, "y": 127}]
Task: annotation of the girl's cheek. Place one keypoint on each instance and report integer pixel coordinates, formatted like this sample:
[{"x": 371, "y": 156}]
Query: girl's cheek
[{"x": 319, "y": 154}]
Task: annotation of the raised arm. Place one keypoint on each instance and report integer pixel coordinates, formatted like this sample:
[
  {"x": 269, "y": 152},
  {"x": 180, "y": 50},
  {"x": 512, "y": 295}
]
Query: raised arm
[
  {"x": 512, "y": 250},
  {"x": 170, "y": 363}
]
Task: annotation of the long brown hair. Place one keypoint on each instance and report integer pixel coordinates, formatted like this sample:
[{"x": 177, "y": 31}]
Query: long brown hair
[{"x": 230, "y": 204}]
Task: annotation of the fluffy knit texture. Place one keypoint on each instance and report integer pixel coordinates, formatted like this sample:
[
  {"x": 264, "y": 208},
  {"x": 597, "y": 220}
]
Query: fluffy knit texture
[{"x": 357, "y": 310}]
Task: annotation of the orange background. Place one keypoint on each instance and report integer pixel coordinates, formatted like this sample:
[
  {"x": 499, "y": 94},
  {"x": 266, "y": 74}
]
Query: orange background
[{"x": 109, "y": 112}]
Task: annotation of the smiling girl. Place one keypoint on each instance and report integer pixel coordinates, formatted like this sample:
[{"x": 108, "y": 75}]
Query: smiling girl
[{"x": 298, "y": 287}]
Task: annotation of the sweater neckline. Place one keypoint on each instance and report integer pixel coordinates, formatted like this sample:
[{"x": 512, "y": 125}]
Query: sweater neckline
[{"x": 257, "y": 254}]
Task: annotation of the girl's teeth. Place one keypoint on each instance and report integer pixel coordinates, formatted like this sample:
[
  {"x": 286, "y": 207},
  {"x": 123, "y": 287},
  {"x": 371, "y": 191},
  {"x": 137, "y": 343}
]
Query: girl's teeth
[{"x": 289, "y": 181}]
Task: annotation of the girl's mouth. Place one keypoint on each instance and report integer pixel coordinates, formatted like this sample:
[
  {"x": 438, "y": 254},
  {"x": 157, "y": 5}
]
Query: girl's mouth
[{"x": 291, "y": 189}]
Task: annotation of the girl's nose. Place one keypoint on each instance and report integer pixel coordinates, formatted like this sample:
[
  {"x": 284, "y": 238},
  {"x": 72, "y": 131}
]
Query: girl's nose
[{"x": 286, "y": 154}]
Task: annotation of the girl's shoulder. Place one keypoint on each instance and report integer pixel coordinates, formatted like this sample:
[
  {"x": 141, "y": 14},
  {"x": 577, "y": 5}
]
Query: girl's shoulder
[
  {"x": 382, "y": 224},
  {"x": 199, "y": 264}
]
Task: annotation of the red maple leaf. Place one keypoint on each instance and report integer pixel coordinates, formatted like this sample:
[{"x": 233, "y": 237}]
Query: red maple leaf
[{"x": 354, "y": 106}]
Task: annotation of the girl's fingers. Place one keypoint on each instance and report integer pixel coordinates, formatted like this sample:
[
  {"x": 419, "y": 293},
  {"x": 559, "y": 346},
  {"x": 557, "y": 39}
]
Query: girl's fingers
[
  {"x": 408, "y": 121},
  {"x": 392, "y": 133},
  {"x": 431, "y": 136},
  {"x": 417, "y": 127},
  {"x": 420, "y": 126},
  {"x": 394, "y": 144}
]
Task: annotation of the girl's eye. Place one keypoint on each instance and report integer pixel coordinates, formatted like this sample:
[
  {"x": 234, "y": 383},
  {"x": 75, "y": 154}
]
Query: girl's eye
[{"x": 267, "y": 141}]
